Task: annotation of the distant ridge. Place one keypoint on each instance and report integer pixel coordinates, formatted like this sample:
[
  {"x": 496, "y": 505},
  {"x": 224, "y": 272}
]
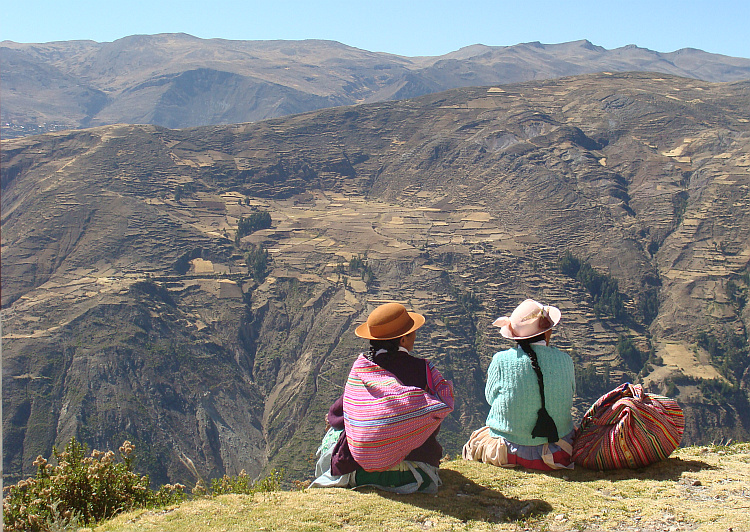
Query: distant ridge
[{"x": 178, "y": 80}]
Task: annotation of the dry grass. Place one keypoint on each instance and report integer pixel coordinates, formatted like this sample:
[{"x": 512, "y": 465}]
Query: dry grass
[{"x": 698, "y": 488}]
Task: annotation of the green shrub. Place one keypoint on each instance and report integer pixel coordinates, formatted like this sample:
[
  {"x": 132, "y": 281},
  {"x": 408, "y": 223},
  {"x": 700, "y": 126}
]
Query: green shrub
[
  {"x": 648, "y": 305},
  {"x": 81, "y": 488},
  {"x": 591, "y": 380},
  {"x": 629, "y": 353},
  {"x": 731, "y": 356},
  {"x": 241, "y": 484},
  {"x": 569, "y": 264},
  {"x": 256, "y": 260},
  {"x": 603, "y": 288},
  {"x": 254, "y": 222},
  {"x": 737, "y": 294},
  {"x": 360, "y": 265}
]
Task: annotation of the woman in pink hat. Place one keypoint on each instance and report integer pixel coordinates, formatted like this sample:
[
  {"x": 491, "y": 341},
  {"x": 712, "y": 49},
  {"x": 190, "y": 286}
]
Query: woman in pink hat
[
  {"x": 530, "y": 390},
  {"x": 383, "y": 428}
]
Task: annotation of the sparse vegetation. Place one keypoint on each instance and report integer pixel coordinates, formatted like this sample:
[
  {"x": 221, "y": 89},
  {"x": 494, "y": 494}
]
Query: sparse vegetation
[
  {"x": 243, "y": 485},
  {"x": 736, "y": 294},
  {"x": 603, "y": 288},
  {"x": 256, "y": 260},
  {"x": 81, "y": 489},
  {"x": 714, "y": 391},
  {"x": 592, "y": 381},
  {"x": 731, "y": 355},
  {"x": 182, "y": 264},
  {"x": 630, "y": 354},
  {"x": 463, "y": 321},
  {"x": 671, "y": 389},
  {"x": 255, "y": 222},
  {"x": 648, "y": 305},
  {"x": 737, "y": 290},
  {"x": 360, "y": 265},
  {"x": 679, "y": 206},
  {"x": 181, "y": 191},
  {"x": 467, "y": 300},
  {"x": 719, "y": 391}
]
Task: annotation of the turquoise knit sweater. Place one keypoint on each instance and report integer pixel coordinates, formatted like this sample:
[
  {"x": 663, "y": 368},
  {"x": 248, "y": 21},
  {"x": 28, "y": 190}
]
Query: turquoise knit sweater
[{"x": 513, "y": 393}]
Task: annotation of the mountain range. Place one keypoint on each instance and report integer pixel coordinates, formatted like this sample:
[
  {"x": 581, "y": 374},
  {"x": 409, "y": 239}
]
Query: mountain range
[
  {"x": 179, "y": 81},
  {"x": 195, "y": 290}
]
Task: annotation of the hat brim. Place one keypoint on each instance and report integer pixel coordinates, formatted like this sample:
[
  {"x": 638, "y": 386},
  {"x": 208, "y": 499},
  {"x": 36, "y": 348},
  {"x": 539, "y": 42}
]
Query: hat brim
[
  {"x": 363, "y": 331},
  {"x": 504, "y": 324}
]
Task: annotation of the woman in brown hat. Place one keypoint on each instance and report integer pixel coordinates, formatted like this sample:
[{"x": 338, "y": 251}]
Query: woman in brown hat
[
  {"x": 530, "y": 390},
  {"x": 384, "y": 427}
]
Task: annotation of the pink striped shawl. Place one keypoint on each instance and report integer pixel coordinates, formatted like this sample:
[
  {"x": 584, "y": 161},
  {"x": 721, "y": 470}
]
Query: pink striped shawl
[
  {"x": 385, "y": 420},
  {"x": 628, "y": 428}
]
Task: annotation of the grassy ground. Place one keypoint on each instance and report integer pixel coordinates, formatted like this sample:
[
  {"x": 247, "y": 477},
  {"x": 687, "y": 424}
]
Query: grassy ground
[{"x": 698, "y": 488}]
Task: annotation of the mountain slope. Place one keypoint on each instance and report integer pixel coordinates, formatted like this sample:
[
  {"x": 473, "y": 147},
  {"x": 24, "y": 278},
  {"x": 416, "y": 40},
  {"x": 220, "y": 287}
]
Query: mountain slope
[
  {"x": 177, "y": 80},
  {"x": 130, "y": 310}
]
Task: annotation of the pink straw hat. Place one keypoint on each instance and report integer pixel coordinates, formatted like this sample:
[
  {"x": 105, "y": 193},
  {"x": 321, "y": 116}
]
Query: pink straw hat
[{"x": 529, "y": 319}]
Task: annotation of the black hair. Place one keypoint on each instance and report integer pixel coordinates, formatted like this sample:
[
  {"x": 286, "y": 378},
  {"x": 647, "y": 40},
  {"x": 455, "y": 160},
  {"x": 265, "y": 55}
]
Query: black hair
[
  {"x": 545, "y": 426},
  {"x": 391, "y": 347}
]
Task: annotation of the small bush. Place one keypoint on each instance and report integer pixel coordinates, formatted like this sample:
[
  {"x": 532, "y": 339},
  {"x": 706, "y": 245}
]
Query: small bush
[
  {"x": 81, "y": 489},
  {"x": 242, "y": 485},
  {"x": 591, "y": 380},
  {"x": 629, "y": 353},
  {"x": 360, "y": 265},
  {"x": 569, "y": 264},
  {"x": 602, "y": 287},
  {"x": 254, "y": 222},
  {"x": 256, "y": 260},
  {"x": 648, "y": 305},
  {"x": 731, "y": 355}
]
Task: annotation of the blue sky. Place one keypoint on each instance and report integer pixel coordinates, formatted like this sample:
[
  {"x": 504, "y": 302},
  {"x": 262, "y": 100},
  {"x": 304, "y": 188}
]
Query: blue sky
[{"x": 401, "y": 27}]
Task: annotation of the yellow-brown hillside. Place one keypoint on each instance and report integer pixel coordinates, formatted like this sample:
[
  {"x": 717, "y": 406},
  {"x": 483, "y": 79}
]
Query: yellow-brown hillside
[{"x": 698, "y": 488}]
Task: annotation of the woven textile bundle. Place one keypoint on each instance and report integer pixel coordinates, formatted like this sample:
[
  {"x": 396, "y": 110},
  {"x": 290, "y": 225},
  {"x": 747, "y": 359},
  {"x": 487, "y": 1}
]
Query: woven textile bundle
[
  {"x": 385, "y": 420},
  {"x": 628, "y": 428}
]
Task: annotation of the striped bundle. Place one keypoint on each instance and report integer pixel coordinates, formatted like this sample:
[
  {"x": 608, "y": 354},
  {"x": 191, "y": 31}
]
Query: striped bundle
[
  {"x": 628, "y": 428},
  {"x": 385, "y": 420}
]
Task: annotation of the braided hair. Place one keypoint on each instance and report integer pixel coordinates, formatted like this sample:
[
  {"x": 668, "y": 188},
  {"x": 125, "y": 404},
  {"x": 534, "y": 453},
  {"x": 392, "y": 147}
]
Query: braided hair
[
  {"x": 391, "y": 347},
  {"x": 545, "y": 426}
]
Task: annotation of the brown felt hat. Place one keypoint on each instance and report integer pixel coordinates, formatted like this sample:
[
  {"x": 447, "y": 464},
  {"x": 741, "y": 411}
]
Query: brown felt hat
[{"x": 389, "y": 321}]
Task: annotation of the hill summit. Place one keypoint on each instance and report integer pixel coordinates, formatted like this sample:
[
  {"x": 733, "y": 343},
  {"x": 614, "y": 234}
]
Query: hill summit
[{"x": 697, "y": 489}]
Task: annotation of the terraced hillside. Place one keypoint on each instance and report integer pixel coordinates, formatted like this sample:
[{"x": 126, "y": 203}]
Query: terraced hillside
[{"x": 132, "y": 308}]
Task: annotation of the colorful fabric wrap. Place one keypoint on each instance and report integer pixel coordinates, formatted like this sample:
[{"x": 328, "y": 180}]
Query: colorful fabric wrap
[
  {"x": 628, "y": 428},
  {"x": 405, "y": 477},
  {"x": 385, "y": 420}
]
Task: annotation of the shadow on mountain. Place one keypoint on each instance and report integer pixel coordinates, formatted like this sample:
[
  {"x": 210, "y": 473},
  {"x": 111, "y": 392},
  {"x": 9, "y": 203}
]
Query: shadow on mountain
[{"x": 464, "y": 499}]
